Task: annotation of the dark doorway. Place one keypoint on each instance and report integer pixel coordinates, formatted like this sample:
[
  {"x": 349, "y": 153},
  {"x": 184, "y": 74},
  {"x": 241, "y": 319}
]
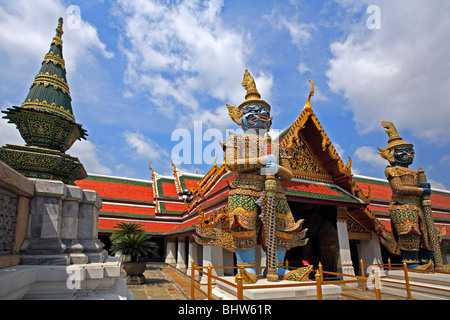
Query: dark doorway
[{"x": 323, "y": 244}]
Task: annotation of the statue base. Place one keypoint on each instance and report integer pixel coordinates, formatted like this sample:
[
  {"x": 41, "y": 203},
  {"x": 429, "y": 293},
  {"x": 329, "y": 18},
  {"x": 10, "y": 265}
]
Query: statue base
[{"x": 223, "y": 291}]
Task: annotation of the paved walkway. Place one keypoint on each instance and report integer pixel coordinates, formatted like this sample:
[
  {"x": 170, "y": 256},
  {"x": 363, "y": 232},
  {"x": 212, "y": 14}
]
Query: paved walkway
[{"x": 165, "y": 283}]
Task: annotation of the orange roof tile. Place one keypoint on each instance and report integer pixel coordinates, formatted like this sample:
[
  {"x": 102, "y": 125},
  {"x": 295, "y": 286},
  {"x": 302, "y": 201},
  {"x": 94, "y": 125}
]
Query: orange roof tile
[{"x": 118, "y": 190}]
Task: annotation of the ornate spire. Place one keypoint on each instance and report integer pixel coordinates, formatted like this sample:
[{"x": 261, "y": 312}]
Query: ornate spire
[
  {"x": 50, "y": 91},
  {"x": 45, "y": 121}
]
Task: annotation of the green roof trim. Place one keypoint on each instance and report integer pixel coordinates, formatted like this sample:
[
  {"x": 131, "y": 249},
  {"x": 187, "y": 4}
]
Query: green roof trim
[
  {"x": 184, "y": 178},
  {"x": 161, "y": 194},
  {"x": 162, "y": 209},
  {"x": 124, "y": 214},
  {"x": 343, "y": 197}
]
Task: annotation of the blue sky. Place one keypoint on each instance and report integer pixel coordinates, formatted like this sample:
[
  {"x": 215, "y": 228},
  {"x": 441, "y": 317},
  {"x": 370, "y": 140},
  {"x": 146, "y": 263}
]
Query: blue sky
[{"x": 138, "y": 70}]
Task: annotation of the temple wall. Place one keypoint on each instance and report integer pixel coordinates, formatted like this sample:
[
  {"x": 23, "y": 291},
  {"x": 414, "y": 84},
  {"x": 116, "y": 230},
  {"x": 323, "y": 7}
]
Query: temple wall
[
  {"x": 49, "y": 246},
  {"x": 15, "y": 194}
]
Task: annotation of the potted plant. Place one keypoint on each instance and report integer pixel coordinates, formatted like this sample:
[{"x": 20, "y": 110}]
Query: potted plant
[
  {"x": 124, "y": 229},
  {"x": 131, "y": 241}
]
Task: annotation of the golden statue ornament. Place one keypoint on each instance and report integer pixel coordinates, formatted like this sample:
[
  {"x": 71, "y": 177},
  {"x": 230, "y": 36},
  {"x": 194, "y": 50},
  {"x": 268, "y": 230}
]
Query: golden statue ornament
[
  {"x": 410, "y": 208},
  {"x": 257, "y": 210}
]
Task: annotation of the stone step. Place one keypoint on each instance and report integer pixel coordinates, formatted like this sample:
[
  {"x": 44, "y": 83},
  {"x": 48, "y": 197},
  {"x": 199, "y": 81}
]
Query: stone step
[
  {"x": 424, "y": 286},
  {"x": 220, "y": 294}
]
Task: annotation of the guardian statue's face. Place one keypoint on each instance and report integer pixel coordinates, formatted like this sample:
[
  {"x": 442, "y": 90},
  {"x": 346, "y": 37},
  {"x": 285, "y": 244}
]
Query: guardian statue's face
[
  {"x": 256, "y": 117},
  {"x": 404, "y": 156}
]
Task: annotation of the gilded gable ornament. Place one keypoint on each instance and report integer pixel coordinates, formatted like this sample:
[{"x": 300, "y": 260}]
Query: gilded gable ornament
[{"x": 304, "y": 164}]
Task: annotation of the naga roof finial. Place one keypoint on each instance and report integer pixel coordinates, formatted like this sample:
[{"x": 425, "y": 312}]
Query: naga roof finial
[{"x": 311, "y": 93}]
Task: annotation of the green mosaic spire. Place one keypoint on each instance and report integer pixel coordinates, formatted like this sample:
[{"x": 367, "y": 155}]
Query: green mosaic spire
[
  {"x": 49, "y": 91},
  {"x": 45, "y": 119},
  {"x": 46, "y": 122}
]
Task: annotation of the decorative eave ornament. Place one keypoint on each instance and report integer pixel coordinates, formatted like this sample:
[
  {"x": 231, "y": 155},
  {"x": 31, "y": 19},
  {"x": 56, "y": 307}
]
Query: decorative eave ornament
[{"x": 394, "y": 142}]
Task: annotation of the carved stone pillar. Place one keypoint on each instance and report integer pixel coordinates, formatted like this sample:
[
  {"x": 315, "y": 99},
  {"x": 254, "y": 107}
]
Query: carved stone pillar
[
  {"x": 213, "y": 256},
  {"x": 181, "y": 255},
  {"x": 192, "y": 255},
  {"x": 171, "y": 246},
  {"x": 346, "y": 264}
]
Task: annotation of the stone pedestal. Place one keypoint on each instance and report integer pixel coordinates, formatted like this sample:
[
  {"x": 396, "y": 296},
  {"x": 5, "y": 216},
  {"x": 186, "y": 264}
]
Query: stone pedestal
[
  {"x": 93, "y": 281},
  {"x": 62, "y": 226},
  {"x": 269, "y": 291}
]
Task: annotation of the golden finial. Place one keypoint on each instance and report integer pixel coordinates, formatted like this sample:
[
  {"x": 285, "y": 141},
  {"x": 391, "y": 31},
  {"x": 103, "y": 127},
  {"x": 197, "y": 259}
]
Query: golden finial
[
  {"x": 201, "y": 215},
  {"x": 311, "y": 93},
  {"x": 155, "y": 193},
  {"x": 150, "y": 167},
  {"x": 249, "y": 84},
  {"x": 59, "y": 32}
]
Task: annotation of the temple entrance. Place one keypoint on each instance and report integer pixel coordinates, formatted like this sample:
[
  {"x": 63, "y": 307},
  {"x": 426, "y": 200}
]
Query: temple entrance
[{"x": 323, "y": 244}]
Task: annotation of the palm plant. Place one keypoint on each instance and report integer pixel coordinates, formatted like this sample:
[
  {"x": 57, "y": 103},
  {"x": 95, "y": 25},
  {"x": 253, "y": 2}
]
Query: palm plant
[
  {"x": 126, "y": 228},
  {"x": 135, "y": 246}
]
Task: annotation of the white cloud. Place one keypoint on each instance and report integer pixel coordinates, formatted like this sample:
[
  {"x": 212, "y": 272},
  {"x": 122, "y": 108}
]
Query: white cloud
[
  {"x": 370, "y": 155},
  {"x": 27, "y": 28},
  {"x": 8, "y": 132},
  {"x": 300, "y": 33},
  {"x": 437, "y": 185},
  {"x": 398, "y": 73},
  {"x": 445, "y": 159},
  {"x": 145, "y": 148},
  {"x": 86, "y": 152},
  {"x": 340, "y": 150},
  {"x": 303, "y": 68},
  {"x": 180, "y": 53}
]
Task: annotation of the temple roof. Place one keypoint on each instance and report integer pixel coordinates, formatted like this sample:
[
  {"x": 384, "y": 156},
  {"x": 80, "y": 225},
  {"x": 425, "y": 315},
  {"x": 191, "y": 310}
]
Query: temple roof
[
  {"x": 321, "y": 178},
  {"x": 126, "y": 199}
]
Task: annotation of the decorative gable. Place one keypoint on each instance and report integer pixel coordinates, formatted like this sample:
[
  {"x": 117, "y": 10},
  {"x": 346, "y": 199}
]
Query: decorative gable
[
  {"x": 312, "y": 155},
  {"x": 303, "y": 162}
]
